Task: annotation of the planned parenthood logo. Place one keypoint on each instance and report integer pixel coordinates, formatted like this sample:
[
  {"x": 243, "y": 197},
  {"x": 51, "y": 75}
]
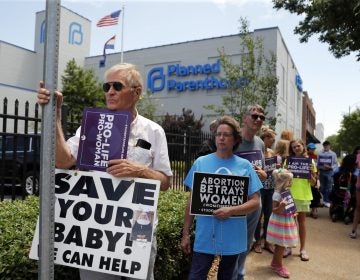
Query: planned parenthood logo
[
  {"x": 75, "y": 33},
  {"x": 181, "y": 78},
  {"x": 156, "y": 79}
]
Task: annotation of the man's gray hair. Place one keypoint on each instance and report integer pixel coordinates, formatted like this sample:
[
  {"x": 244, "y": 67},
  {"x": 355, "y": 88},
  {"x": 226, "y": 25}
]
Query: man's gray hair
[
  {"x": 133, "y": 75},
  {"x": 254, "y": 108}
]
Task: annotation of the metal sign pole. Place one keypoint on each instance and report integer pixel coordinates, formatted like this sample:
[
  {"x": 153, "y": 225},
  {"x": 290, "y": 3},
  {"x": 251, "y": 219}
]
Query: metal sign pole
[{"x": 47, "y": 162}]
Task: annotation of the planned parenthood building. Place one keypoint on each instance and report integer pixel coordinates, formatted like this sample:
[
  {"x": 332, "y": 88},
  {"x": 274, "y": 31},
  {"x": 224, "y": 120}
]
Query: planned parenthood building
[{"x": 179, "y": 75}]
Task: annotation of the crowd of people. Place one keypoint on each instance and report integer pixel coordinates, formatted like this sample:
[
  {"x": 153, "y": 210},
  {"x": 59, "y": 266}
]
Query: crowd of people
[
  {"x": 308, "y": 194},
  {"x": 268, "y": 165},
  {"x": 274, "y": 214}
]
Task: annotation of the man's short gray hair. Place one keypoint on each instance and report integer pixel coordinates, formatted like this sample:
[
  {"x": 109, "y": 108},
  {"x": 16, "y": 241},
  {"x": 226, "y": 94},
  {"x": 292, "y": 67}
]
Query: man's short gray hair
[
  {"x": 254, "y": 108},
  {"x": 133, "y": 75}
]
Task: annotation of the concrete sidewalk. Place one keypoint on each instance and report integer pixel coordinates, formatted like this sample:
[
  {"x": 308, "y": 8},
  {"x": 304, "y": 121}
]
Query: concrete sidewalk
[{"x": 333, "y": 254}]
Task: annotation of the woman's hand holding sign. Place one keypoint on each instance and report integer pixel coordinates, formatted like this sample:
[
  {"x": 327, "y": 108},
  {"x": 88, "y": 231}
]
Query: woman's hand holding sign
[{"x": 223, "y": 213}]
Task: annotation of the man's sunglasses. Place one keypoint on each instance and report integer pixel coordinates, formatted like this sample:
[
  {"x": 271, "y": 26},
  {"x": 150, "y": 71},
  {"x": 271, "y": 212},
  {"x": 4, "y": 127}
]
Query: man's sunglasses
[
  {"x": 255, "y": 117},
  {"x": 118, "y": 86}
]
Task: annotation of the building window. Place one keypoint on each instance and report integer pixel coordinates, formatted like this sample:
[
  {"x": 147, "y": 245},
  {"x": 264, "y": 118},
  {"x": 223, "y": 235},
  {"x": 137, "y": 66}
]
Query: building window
[
  {"x": 292, "y": 96},
  {"x": 298, "y": 107},
  {"x": 283, "y": 83}
]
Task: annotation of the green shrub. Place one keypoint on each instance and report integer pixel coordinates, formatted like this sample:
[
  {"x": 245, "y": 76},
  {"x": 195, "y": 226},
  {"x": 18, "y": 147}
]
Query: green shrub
[
  {"x": 17, "y": 224},
  {"x": 171, "y": 263}
]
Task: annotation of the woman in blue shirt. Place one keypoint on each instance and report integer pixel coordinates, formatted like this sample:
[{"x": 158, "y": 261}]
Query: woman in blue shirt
[{"x": 223, "y": 233}]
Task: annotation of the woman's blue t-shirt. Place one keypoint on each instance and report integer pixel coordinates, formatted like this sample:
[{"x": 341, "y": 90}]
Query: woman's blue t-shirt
[{"x": 229, "y": 236}]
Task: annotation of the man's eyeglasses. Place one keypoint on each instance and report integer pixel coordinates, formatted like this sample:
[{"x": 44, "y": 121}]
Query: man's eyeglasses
[
  {"x": 118, "y": 86},
  {"x": 256, "y": 117},
  {"x": 225, "y": 134}
]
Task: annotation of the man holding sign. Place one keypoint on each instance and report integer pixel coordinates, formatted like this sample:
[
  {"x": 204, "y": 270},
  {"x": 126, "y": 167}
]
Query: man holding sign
[
  {"x": 327, "y": 164},
  {"x": 224, "y": 232},
  {"x": 147, "y": 153},
  {"x": 252, "y": 148}
]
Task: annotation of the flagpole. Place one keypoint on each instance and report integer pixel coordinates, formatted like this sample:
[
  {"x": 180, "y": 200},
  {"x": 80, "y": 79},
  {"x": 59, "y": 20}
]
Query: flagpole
[{"x": 122, "y": 34}]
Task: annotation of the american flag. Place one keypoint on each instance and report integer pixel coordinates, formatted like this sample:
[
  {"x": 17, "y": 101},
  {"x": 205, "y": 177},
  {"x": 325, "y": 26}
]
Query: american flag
[{"x": 108, "y": 20}]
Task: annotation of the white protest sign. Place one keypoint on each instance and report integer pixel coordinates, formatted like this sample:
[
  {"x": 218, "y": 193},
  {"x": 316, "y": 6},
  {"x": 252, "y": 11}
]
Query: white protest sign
[{"x": 94, "y": 216}]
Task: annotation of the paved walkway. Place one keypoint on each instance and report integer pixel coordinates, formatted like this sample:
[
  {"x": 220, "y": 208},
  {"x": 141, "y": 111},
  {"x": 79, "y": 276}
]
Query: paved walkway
[{"x": 333, "y": 254}]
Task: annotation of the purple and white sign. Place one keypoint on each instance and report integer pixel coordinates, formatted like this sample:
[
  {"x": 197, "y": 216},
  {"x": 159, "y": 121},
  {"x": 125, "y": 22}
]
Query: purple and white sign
[
  {"x": 270, "y": 166},
  {"x": 104, "y": 136},
  {"x": 254, "y": 157},
  {"x": 299, "y": 167},
  {"x": 324, "y": 160},
  {"x": 290, "y": 207}
]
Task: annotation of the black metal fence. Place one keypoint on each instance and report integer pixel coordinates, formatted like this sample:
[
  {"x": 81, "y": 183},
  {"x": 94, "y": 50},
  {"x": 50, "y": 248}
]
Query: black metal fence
[
  {"x": 20, "y": 150},
  {"x": 183, "y": 148}
]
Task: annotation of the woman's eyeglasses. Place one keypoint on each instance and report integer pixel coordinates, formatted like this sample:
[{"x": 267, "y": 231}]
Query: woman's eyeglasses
[
  {"x": 118, "y": 86},
  {"x": 225, "y": 134},
  {"x": 256, "y": 117}
]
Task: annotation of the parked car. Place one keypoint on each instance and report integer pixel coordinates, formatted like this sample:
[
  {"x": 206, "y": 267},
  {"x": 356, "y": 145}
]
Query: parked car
[{"x": 20, "y": 161}]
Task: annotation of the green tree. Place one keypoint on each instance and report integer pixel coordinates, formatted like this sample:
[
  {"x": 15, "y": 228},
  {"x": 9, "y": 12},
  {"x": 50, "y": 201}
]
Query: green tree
[
  {"x": 252, "y": 80},
  {"x": 349, "y": 133},
  {"x": 147, "y": 106},
  {"x": 335, "y": 145},
  {"x": 179, "y": 129},
  {"x": 183, "y": 122},
  {"x": 336, "y": 21},
  {"x": 81, "y": 88}
]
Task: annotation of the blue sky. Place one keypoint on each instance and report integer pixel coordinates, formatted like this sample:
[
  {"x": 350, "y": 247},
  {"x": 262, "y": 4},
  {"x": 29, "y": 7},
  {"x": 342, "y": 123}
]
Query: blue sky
[{"x": 332, "y": 83}]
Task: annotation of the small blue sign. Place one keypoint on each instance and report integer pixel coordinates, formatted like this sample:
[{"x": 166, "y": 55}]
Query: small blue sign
[{"x": 299, "y": 82}]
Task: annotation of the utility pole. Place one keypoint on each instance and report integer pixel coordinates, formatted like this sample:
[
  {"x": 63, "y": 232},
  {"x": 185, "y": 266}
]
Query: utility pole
[{"x": 47, "y": 156}]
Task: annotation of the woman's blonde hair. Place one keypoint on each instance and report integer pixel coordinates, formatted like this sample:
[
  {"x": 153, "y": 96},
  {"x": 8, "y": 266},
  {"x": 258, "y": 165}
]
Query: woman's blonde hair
[
  {"x": 287, "y": 134},
  {"x": 266, "y": 131},
  {"x": 300, "y": 142},
  {"x": 282, "y": 148},
  {"x": 282, "y": 179}
]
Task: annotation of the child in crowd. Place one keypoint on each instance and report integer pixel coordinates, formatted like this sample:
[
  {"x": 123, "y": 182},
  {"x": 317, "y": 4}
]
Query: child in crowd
[
  {"x": 282, "y": 230},
  {"x": 301, "y": 192},
  {"x": 315, "y": 202},
  {"x": 281, "y": 151},
  {"x": 268, "y": 136}
]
